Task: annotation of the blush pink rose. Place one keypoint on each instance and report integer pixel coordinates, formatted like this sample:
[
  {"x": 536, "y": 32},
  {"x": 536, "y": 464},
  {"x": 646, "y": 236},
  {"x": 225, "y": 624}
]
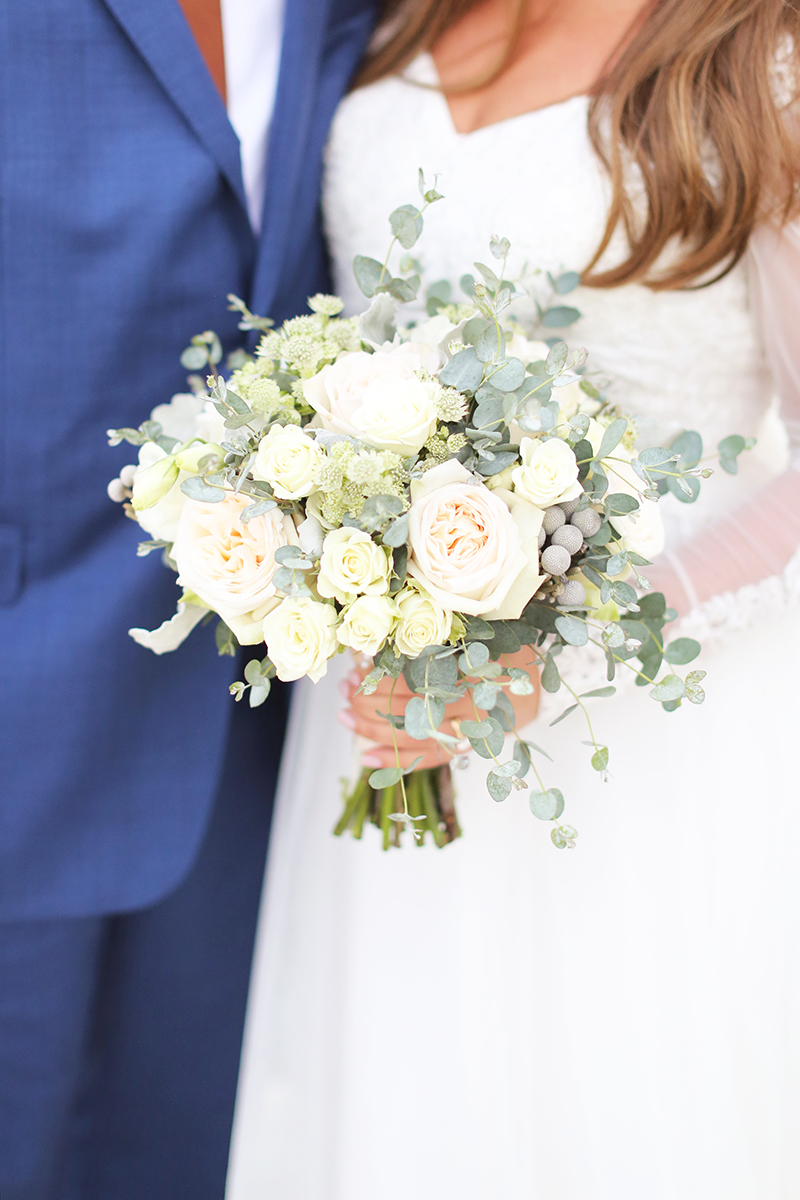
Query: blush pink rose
[
  {"x": 229, "y": 564},
  {"x": 475, "y": 551}
]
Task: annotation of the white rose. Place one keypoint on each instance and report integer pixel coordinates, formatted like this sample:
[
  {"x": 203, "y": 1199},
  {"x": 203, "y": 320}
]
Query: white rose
[
  {"x": 301, "y": 637},
  {"x": 161, "y": 515},
  {"x": 473, "y": 550},
  {"x": 288, "y": 459},
  {"x": 423, "y": 622},
  {"x": 548, "y": 473},
  {"x": 366, "y": 623},
  {"x": 377, "y": 398},
  {"x": 518, "y": 346},
  {"x": 211, "y": 425},
  {"x": 230, "y": 564},
  {"x": 179, "y": 418},
  {"x": 351, "y": 565}
]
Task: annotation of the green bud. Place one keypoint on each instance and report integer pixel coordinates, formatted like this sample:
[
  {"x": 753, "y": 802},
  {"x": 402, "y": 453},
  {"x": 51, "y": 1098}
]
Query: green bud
[
  {"x": 154, "y": 482},
  {"x": 192, "y": 454}
]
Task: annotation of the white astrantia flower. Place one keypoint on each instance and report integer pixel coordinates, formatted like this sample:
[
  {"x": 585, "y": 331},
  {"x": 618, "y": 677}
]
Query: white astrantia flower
[
  {"x": 352, "y": 565},
  {"x": 367, "y": 623},
  {"x": 473, "y": 550},
  {"x": 423, "y": 622},
  {"x": 301, "y": 638},
  {"x": 548, "y": 473},
  {"x": 229, "y": 564},
  {"x": 289, "y": 459}
]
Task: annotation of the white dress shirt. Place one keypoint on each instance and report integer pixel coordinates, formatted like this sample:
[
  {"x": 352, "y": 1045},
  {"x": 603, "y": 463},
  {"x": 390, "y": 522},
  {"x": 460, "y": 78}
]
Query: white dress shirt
[{"x": 252, "y": 31}]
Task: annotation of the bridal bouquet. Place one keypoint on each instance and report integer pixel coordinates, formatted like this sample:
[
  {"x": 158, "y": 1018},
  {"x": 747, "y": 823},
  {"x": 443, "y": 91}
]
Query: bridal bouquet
[{"x": 432, "y": 497}]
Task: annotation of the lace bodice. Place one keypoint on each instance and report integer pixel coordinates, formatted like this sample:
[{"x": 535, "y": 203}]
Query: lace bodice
[{"x": 676, "y": 360}]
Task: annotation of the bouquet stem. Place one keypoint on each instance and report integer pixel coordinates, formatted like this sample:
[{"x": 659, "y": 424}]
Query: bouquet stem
[{"x": 431, "y": 807}]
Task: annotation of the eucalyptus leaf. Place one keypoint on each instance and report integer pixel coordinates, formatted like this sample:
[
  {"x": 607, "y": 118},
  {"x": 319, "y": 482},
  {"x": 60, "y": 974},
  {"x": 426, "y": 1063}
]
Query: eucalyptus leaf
[
  {"x": 572, "y": 630},
  {"x": 497, "y": 786},
  {"x": 509, "y": 376},
  {"x": 681, "y": 651},
  {"x": 612, "y": 436},
  {"x": 600, "y": 759},
  {"x": 547, "y": 806},
  {"x": 559, "y": 317},
  {"x": 258, "y": 509},
  {"x": 464, "y": 371},
  {"x": 550, "y": 680},
  {"x": 196, "y": 489},
  {"x": 385, "y": 777},
  {"x": 620, "y": 504},
  {"x": 474, "y": 657},
  {"x": 557, "y": 358},
  {"x": 368, "y": 273},
  {"x": 567, "y": 282},
  {"x": 491, "y": 345},
  {"x": 490, "y": 744},
  {"x": 671, "y": 687},
  {"x": 564, "y": 714},
  {"x": 406, "y": 223},
  {"x": 396, "y": 534},
  {"x": 485, "y": 694}
]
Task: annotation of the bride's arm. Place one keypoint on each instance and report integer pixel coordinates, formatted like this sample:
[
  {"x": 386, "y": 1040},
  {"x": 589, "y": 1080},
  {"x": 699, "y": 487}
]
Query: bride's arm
[{"x": 759, "y": 538}]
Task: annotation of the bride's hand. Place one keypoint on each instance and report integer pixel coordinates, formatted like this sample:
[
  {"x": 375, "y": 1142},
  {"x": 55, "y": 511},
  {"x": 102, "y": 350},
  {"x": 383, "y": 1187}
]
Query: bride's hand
[{"x": 362, "y": 716}]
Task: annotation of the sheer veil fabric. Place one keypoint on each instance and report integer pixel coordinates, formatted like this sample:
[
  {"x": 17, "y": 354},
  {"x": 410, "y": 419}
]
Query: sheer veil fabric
[{"x": 499, "y": 1018}]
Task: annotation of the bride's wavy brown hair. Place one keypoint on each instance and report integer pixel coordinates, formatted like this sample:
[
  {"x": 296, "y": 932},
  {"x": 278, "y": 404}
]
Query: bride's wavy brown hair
[{"x": 696, "y": 82}]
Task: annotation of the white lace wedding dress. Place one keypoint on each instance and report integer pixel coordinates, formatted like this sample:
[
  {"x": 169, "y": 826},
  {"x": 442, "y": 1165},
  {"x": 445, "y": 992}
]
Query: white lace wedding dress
[{"x": 501, "y": 1019}]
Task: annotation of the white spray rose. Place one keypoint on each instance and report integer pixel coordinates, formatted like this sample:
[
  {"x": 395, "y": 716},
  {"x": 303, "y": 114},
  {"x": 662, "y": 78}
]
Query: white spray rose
[
  {"x": 230, "y": 564},
  {"x": 301, "y": 637},
  {"x": 351, "y": 565},
  {"x": 548, "y": 473},
  {"x": 366, "y": 623},
  {"x": 423, "y": 622},
  {"x": 211, "y": 425},
  {"x": 288, "y": 459},
  {"x": 473, "y": 550},
  {"x": 377, "y": 398},
  {"x": 179, "y": 418}
]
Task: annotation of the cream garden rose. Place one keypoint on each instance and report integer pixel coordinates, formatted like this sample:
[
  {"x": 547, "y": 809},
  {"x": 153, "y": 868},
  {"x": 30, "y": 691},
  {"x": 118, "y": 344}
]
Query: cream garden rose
[
  {"x": 548, "y": 473},
  {"x": 473, "y": 550},
  {"x": 366, "y": 623},
  {"x": 377, "y": 398},
  {"x": 301, "y": 636},
  {"x": 352, "y": 565},
  {"x": 229, "y": 564},
  {"x": 288, "y": 459},
  {"x": 423, "y": 622}
]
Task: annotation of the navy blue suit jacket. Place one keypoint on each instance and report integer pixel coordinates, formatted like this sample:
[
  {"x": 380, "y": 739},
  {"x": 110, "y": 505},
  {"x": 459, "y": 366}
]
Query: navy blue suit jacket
[{"x": 122, "y": 229}]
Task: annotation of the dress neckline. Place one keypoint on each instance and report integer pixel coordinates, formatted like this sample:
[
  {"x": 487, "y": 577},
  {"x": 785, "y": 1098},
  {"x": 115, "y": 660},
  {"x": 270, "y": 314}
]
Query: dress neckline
[{"x": 422, "y": 71}]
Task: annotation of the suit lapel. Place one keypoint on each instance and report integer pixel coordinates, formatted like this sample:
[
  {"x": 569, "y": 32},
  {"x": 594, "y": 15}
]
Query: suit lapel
[
  {"x": 304, "y": 34},
  {"x": 159, "y": 31}
]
